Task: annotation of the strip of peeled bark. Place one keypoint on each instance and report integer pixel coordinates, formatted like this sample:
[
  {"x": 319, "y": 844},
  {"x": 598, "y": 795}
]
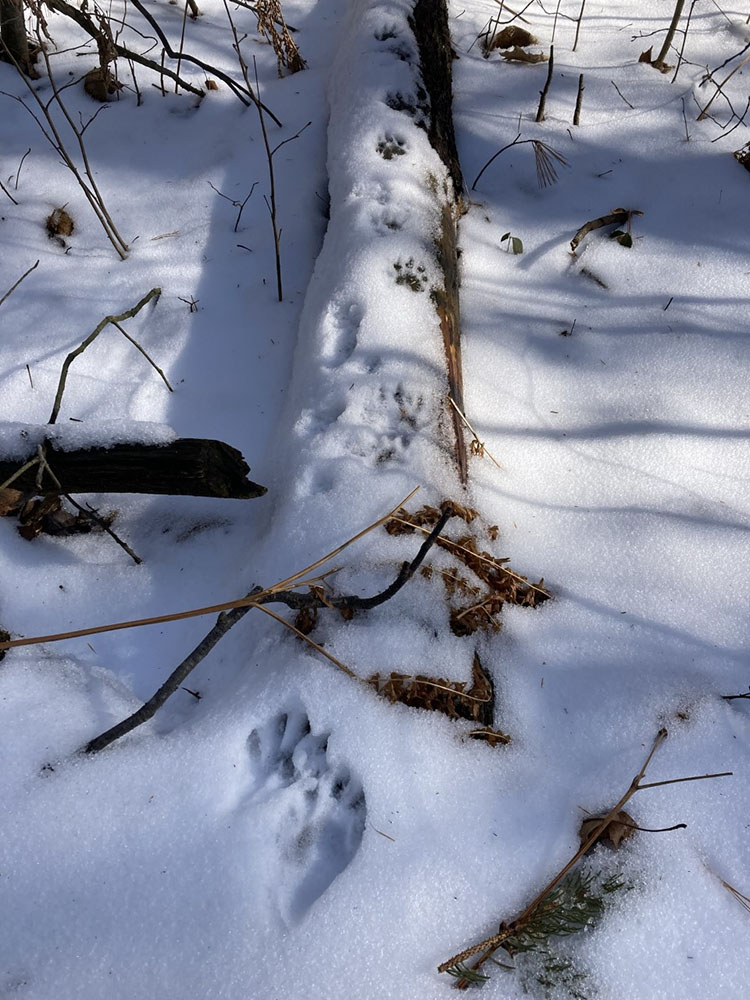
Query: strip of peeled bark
[{"x": 430, "y": 26}]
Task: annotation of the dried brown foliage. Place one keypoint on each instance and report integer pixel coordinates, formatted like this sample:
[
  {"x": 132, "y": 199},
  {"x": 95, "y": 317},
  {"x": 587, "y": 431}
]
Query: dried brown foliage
[
  {"x": 46, "y": 515},
  {"x": 511, "y": 36},
  {"x": 452, "y": 698},
  {"x": 497, "y": 584},
  {"x": 521, "y": 55},
  {"x": 272, "y": 26}
]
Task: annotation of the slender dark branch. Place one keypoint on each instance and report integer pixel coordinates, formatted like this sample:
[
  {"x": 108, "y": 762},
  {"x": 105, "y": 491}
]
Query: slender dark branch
[
  {"x": 495, "y": 156},
  {"x": 4, "y": 189},
  {"x": 15, "y": 286},
  {"x": 92, "y": 29},
  {"x": 206, "y": 67},
  {"x": 545, "y": 89},
  {"x": 733, "y": 697},
  {"x": 227, "y": 619}
]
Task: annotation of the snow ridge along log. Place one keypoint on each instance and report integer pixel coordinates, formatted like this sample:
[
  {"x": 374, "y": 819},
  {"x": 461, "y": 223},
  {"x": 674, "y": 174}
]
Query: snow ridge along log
[
  {"x": 429, "y": 23},
  {"x": 186, "y": 467}
]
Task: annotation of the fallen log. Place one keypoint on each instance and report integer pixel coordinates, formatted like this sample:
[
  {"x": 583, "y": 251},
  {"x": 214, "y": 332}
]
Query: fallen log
[{"x": 186, "y": 467}]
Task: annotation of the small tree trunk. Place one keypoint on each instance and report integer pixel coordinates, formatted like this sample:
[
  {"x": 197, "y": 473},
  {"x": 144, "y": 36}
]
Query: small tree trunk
[
  {"x": 662, "y": 57},
  {"x": 15, "y": 42}
]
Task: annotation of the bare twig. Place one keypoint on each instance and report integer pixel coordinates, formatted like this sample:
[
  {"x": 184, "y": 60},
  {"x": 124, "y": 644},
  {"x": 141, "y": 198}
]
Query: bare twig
[
  {"x": 147, "y": 356},
  {"x": 15, "y": 286},
  {"x": 128, "y": 314},
  {"x": 477, "y": 447},
  {"x": 545, "y": 89},
  {"x": 7, "y": 192},
  {"x": 20, "y": 165},
  {"x": 237, "y": 204},
  {"x": 229, "y": 618},
  {"x": 491, "y": 944},
  {"x": 579, "y": 101},
  {"x": 542, "y": 152},
  {"x": 578, "y": 24},
  {"x": 684, "y": 40},
  {"x": 622, "y": 95},
  {"x": 245, "y": 94},
  {"x": 719, "y": 86}
]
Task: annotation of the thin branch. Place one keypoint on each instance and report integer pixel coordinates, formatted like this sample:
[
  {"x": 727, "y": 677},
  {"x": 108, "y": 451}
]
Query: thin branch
[
  {"x": 227, "y": 619},
  {"x": 15, "y": 286},
  {"x": 206, "y": 67},
  {"x": 622, "y": 95},
  {"x": 491, "y": 944},
  {"x": 147, "y": 356},
  {"x": 578, "y": 25},
  {"x": 128, "y": 314},
  {"x": 6, "y": 191},
  {"x": 545, "y": 90}
]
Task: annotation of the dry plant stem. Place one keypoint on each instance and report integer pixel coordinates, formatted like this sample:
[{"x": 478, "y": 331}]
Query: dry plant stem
[
  {"x": 19, "y": 472},
  {"x": 148, "y": 358},
  {"x": 105, "y": 218},
  {"x": 480, "y": 444},
  {"x": 272, "y": 183},
  {"x": 578, "y": 26},
  {"x": 15, "y": 286},
  {"x": 684, "y": 40},
  {"x": 448, "y": 544},
  {"x": 55, "y": 140},
  {"x": 545, "y": 89},
  {"x": 298, "y": 579},
  {"x": 128, "y": 314},
  {"x": 622, "y": 95},
  {"x": 92, "y": 29},
  {"x": 6, "y": 191},
  {"x": 491, "y": 944},
  {"x": 579, "y": 101},
  {"x": 704, "y": 111},
  {"x": 90, "y": 512},
  {"x": 227, "y": 619},
  {"x": 211, "y": 70},
  {"x": 661, "y": 58},
  {"x": 182, "y": 40}
]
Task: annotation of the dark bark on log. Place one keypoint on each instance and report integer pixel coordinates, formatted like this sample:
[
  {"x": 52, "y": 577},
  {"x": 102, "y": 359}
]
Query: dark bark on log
[
  {"x": 430, "y": 26},
  {"x": 187, "y": 467}
]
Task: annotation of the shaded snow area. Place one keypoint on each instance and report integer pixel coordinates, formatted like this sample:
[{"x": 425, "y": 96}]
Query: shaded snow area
[{"x": 279, "y": 830}]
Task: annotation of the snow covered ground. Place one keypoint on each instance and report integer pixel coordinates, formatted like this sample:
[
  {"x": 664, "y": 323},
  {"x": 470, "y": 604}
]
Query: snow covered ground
[{"x": 291, "y": 833}]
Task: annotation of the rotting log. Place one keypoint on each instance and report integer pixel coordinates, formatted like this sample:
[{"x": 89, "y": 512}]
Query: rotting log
[
  {"x": 186, "y": 467},
  {"x": 429, "y": 23}
]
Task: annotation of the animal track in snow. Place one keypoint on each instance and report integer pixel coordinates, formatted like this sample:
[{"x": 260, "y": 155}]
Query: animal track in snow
[
  {"x": 342, "y": 329},
  {"x": 312, "y": 812},
  {"x": 414, "y": 276},
  {"x": 391, "y": 146}
]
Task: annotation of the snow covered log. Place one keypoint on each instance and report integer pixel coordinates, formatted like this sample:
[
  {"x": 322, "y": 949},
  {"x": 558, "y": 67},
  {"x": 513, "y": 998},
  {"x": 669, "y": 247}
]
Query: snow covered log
[{"x": 186, "y": 467}]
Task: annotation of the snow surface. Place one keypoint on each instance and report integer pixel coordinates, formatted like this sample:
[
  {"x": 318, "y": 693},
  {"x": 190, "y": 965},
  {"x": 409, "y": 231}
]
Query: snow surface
[{"x": 292, "y": 834}]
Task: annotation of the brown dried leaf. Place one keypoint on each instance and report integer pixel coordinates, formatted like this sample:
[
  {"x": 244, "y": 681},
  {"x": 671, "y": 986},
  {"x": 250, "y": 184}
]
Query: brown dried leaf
[
  {"x": 621, "y": 826},
  {"x": 11, "y": 501},
  {"x": 521, "y": 55},
  {"x": 512, "y": 35},
  {"x": 305, "y": 620},
  {"x": 646, "y": 56}
]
